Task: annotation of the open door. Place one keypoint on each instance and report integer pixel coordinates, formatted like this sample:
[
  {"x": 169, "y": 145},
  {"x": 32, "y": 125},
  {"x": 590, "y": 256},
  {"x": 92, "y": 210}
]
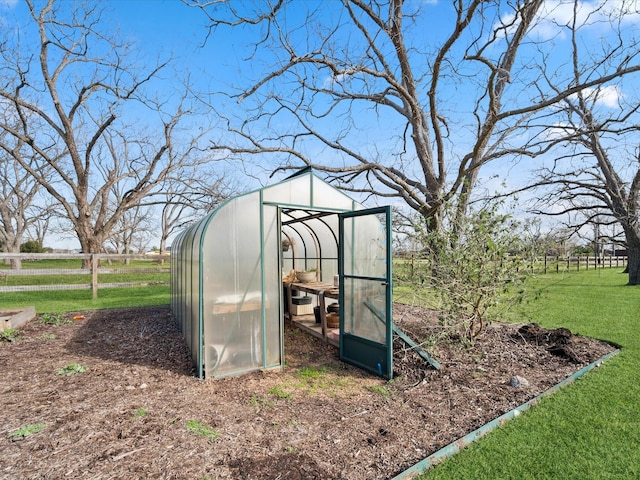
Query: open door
[{"x": 365, "y": 266}]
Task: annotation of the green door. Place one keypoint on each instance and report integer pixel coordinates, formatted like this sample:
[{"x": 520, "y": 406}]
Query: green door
[{"x": 366, "y": 336}]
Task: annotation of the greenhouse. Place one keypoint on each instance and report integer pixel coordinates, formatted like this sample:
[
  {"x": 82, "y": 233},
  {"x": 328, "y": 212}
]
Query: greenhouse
[{"x": 240, "y": 271}]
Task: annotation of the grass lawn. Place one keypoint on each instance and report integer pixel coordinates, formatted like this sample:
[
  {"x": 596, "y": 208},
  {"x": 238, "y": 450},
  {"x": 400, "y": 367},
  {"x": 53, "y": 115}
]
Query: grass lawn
[
  {"x": 589, "y": 430},
  {"x": 55, "y": 301},
  {"x": 67, "y": 263}
]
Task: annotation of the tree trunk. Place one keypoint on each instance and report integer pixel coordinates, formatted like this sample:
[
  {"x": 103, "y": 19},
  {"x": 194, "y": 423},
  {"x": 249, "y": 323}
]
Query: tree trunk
[
  {"x": 163, "y": 249},
  {"x": 90, "y": 244},
  {"x": 163, "y": 245},
  {"x": 16, "y": 263},
  {"x": 633, "y": 259}
]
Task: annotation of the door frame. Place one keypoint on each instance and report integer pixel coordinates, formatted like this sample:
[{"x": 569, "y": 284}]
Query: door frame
[{"x": 362, "y": 352}]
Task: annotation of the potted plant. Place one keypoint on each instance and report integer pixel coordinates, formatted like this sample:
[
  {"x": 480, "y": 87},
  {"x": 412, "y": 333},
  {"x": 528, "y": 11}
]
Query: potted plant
[{"x": 305, "y": 276}]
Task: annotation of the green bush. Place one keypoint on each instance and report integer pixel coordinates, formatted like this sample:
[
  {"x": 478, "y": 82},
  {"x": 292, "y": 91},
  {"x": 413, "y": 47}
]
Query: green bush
[
  {"x": 466, "y": 271},
  {"x": 31, "y": 246}
]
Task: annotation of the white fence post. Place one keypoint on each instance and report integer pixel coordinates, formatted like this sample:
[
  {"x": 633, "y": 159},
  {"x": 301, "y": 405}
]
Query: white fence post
[{"x": 94, "y": 275}]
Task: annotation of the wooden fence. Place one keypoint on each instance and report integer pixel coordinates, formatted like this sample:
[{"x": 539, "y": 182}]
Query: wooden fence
[
  {"x": 563, "y": 263},
  {"x": 537, "y": 264},
  {"x": 67, "y": 269},
  {"x": 64, "y": 276}
]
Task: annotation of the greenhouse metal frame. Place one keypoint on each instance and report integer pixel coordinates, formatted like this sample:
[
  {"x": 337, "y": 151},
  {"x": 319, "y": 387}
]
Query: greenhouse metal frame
[{"x": 227, "y": 272}]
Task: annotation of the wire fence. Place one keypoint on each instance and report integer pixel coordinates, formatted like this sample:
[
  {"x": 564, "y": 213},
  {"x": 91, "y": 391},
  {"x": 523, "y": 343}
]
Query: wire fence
[
  {"x": 549, "y": 264},
  {"x": 31, "y": 272},
  {"x": 537, "y": 264}
]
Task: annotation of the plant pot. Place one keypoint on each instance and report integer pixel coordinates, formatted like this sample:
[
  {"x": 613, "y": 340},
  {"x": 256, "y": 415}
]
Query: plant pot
[
  {"x": 333, "y": 320},
  {"x": 305, "y": 277}
]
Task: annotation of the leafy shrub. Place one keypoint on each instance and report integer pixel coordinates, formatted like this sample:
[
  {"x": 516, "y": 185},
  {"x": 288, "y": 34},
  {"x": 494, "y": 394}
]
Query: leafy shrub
[{"x": 466, "y": 270}]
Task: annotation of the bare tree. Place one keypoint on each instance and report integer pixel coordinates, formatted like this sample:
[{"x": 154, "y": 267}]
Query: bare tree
[
  {"x": 594, "y": 178},
  {"x": 19, "y": 197},
  {"x": 86, "y": 110},
  {"x": 24, "y": 209},
  {"x": 17, "y": 194},
  {"x": 405, "y": 102},
  {"x": 134, "y": 229},
  {"x": 186, "y": 199},
  {"x": 41, "y": 226},
  {"x": 598, "y": 185}
]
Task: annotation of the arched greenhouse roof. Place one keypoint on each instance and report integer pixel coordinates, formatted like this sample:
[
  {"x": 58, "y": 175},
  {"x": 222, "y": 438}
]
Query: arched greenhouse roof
[{"x": 237, "y": 252}]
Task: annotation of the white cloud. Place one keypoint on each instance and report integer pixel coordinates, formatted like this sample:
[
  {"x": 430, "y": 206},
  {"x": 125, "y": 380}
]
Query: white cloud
[
  {"x": 559, "y": 131},
  {"x": 608, "y": 96},
  {"x": 554, "y": 15}
]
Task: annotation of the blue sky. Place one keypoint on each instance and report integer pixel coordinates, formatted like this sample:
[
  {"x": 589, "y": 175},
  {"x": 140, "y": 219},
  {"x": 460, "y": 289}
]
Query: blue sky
[{"x": 168, "y": 27}]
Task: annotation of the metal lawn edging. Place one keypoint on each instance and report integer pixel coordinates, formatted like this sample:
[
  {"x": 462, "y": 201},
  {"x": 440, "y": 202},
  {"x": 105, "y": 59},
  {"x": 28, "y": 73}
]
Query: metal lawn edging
[{"x": 454, "y": 447}]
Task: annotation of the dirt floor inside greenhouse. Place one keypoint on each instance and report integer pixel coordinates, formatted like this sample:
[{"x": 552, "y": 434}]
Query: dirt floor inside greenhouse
[{"x": 138, "y": 411}]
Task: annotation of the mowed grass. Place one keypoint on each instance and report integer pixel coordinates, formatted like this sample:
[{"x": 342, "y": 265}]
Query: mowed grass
[
  {"x": 68, "y": 263},
  {"x": 79, "y": 279},
  {"x": 589, "y": 430},
  {"x": 53, "y": 301}
]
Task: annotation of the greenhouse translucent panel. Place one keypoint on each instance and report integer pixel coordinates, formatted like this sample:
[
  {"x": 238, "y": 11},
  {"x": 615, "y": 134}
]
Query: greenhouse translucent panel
[
  {"x": 314, "y": 242},
  {"x": 327, "y": 238},
  {"x": 180, "y": 285},
  {"x": 177, "y": 280},
  {"x": 175, "y": 275},
  {"x": 328, "y": 268},
  {"x": 367, "y": 317},
  {"x": 184, "y": 287},
  {"x": 305, "y": 249},
  {"x": 196, "y": 265},
  {"x": 272, "y": 287},
  {"x": 190, "y": 309},
  {"x": 326, "y": 196},
  {"x": 287, "y": 252},
  {"x": 232, "y": 277},
  {"x": 365, "y": 247},
  {"x": 323, "y": 233},
  {"x": 294, "y": 191}
]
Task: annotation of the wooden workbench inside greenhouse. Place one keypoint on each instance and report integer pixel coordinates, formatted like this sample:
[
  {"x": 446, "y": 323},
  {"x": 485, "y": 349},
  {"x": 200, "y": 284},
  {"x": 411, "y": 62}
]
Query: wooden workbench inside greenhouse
[{"x": 307, "y": 321}]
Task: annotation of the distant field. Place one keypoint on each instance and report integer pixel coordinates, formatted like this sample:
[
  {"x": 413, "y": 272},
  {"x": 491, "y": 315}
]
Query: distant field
[{"x": 65, "y": 263}]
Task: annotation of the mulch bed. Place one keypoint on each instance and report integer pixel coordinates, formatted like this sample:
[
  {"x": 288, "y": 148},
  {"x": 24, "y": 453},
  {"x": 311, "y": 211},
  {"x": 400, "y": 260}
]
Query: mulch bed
[{"x": 128, "y": 414}]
